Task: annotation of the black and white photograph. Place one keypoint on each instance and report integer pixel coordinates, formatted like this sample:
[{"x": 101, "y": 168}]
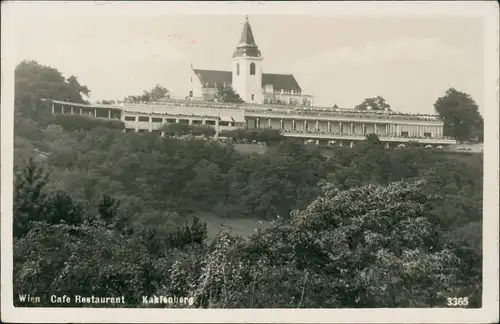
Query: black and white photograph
[{"x": 293, "y": 162}]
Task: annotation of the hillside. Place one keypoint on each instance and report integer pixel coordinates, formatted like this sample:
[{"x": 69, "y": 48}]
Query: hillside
[
  {"x": 100, "y": 212},
  {"x": 124, "y": 198}
]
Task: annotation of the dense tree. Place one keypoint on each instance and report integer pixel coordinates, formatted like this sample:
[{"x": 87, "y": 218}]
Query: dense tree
[
  {"x": 460, "y": 115},
  {"x": 32, "y": 203},
  {"x": 227, "y": 94},
  {"x": 157, "y": 93},
  {"x": 376, "y": 103},
  {"x": 34, "y": 82},
  {"x": 77, "y": 89},
  {"x": 29, "y": 197},
  {"x": 61, "y": 208},
  {"x": 108, "y": 207}
]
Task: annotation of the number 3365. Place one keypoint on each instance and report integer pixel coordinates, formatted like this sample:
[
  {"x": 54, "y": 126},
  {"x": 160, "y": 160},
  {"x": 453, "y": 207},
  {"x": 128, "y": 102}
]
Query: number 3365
[{"x": 461, "y": 301}]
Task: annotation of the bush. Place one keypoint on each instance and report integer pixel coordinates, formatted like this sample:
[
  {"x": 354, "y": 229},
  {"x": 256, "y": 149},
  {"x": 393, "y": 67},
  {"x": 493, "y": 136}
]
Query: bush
[
  {"x": 176, "y": 129},
  {"x": 75, "y": 123},
  {"x": 203, "y": 130},
  {"x": 188, "y": 234},
  {"x": 264, "y": 135}
]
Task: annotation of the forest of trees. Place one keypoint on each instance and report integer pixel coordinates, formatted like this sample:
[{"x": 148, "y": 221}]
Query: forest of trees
[{"x": 103, "y": 212}]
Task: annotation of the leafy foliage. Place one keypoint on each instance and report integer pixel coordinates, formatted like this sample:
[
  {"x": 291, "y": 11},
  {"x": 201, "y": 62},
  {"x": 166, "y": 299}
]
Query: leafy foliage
[
  {"x": 178, "y": 129},
  {"x": 376, "y": 103},
  {"x": 28, "y": 197},
  {"x": 266, "y": 135},
  {"x": 461, "y": 116},
  {"x": 34, "y": 82},
  {"x": 75, "y": 122},
  {"x": 365, "y": 243},
  {"x": 107, "y": 208},
  {"x": 33, "y": 204},
  {"x": 388, "y": 245},
  {"x": 157, "y": 93},
  {"x": 227, "y": 94},
  {"x": 122, "y": 214}
]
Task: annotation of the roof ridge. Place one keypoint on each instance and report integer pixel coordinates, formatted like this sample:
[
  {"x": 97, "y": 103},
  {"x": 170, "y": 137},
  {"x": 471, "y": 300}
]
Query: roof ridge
[{"x": 286, "y": 82}]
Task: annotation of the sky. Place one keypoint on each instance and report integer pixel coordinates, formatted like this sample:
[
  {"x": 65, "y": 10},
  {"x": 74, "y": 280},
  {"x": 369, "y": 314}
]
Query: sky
[{"x": 408, "y": 60}]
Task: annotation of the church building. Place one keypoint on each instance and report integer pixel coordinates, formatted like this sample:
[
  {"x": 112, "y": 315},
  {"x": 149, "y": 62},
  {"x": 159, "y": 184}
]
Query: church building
[{"x": 246, "y": 78}]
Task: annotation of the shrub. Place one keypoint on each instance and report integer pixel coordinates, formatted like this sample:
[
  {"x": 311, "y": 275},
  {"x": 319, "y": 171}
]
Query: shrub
[{"x": 75, "y": 122}]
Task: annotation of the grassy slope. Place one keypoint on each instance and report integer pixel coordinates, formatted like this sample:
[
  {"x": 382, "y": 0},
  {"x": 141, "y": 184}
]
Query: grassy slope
[
  {"x": 250, "y": 148},
  {"x": 239, "y": 226}
]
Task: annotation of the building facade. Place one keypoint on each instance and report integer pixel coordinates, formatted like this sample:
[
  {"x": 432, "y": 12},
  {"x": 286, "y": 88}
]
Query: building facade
[
  {"x": 247, "y": 78},
  {"x": 343, "y": 126},
  {"x": 271, "y": 101}
]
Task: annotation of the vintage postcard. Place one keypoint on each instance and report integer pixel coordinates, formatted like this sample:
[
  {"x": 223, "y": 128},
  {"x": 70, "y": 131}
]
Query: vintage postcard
[{"x": 230, "y": 162}]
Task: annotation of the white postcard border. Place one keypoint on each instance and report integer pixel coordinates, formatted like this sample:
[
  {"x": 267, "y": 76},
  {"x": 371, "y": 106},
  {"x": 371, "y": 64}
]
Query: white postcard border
[{"x": 489, "y": 312}]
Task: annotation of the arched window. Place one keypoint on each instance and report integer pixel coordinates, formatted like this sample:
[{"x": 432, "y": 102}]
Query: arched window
[
  {"x": 237, "y": 68},
  {"x": 252, "y": 68}
]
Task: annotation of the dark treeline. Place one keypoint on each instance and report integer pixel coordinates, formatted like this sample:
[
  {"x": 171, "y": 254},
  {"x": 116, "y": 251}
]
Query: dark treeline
[{"x": 104, "y": 212}]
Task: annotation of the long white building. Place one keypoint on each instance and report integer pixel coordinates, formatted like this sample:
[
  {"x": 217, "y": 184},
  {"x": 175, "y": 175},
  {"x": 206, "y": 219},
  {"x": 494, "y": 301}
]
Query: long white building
[
  {"x": 271, "y": 101},
  {"x": 345, "y": 126}
]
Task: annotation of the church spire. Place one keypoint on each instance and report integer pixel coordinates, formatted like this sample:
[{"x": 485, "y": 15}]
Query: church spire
[
  {"x": 247, "y": 46},
  {"x": 247, "y": 35}
]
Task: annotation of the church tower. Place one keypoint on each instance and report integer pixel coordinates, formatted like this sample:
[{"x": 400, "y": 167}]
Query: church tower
[{"x": 247, "y": 67}]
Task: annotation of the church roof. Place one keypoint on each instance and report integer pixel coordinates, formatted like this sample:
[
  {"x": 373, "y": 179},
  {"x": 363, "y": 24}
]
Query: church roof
[
  {"x": 211, "y": 78},
  {"x": 247, "y": 45},
  {"x": 286, "y": 82}
]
